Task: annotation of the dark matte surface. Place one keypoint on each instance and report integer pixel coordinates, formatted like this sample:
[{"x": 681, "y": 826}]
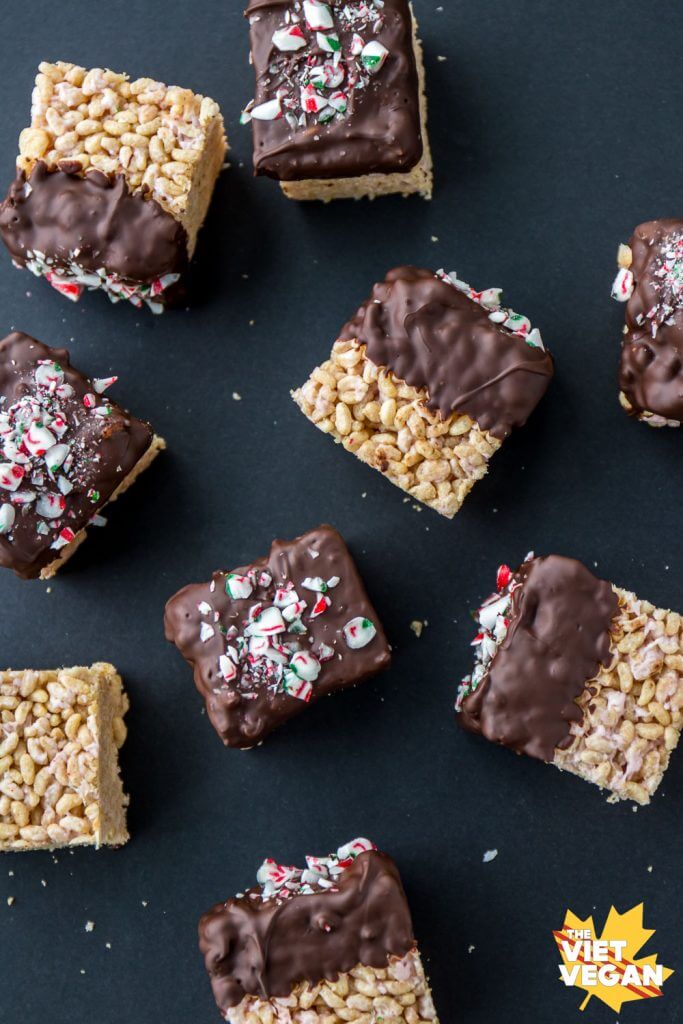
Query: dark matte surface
[{"x": 553, "y": 129}]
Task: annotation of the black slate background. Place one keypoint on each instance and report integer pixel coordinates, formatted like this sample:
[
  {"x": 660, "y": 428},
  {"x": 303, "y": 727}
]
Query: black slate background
[{"x": 554, "y": 129}]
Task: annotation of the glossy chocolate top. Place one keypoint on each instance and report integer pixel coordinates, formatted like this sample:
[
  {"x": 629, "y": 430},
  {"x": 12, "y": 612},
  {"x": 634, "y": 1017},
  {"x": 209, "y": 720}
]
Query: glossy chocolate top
[
  {"x": 651, "y": 372},
  {"x": 433, "y": 335},
  {"x": 248, "y": 684},
  {"x": 263, "y": 948},
  {"x": 64, "y": 448},
  {"x": 93, "y": 221},
  {"x": 362, "y": 62},
  {"x": 557, "y": 639}
]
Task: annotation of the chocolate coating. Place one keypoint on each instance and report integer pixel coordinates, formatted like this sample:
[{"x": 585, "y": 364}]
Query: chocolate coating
[
  {"x": 651, "y": 370},
  {"x": 264, "y": 948},
  {"x": 433, "y": 336},
  {"x": 105, "y": 450},
  {"x": 559, "y": 636},
  {"x": 132, "y": 237},
  {"x": 381, "y": 131},
  {"x": 244, "y": 721}
]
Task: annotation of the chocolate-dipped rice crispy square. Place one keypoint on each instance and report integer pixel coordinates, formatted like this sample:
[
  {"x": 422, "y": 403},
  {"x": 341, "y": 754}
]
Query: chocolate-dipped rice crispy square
[
  {"x": 650, "y": 282},
  {"x": 578, "y": 673},
  {"x": 60, "y": 733},
  {"x": 340, "y": 110},
  {"x": 66, "y": 450},
  {"x": 114, "y": 180},
  {"x": 267, "y": 639},
  {"x": 426, "y": 382},
  {"x": 328, "y": 943}
]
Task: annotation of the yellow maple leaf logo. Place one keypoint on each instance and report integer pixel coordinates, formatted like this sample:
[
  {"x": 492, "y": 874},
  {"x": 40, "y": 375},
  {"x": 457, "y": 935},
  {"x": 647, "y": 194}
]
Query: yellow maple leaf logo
[{"x": 606, "y": 966}]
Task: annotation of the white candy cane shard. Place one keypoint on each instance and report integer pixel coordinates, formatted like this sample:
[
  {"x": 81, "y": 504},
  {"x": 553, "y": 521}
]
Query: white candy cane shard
[
  {"x": 237, "y": 587},
  {"x": 100, "y": 384},
  {"x": 490, "y": 612},
  {"x": 306, "y": 666},
  {"x": 622, "y": 289},
  {"x": 302, "y": 689},
  {"x": 7, "y": 516},
  {"x": 48, "y": 375},
  {"x": 355, "y": 848},
  {"x": 359, "y": 632},
  {"x": 534, "y": 339},
  {"x": 206, "y": 632},
  {"x": 50, "y": 506},
  {"x": 11, "y": 476},
  {"x": 268, "y": 623},
  {"x": 268, "y": 111},
  {"x": 38, "y": 439},
  {"x": 373, "y": 56},
  {"x": 227, "y": 667},
  {"x": 54, "y": 456},
  {"x": 316, "y": 583},
  {"x": 294, "y": 611},
  {"x": 311, "y": 100},
  {"x": 318, "y": 15},
  {"x": 328, "y": 42},
  {"x": 289, "y": 39}
]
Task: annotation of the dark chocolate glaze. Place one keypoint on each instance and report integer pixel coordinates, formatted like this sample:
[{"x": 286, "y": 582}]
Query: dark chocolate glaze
[
  {"x": 381, "y": 132},
  {"x": 559, "y": 636},
  {"x": 129, "y": 235},
  {"x": 244, "y": 722},
  {"x": 651, "y": 370},
  {"x": 107, "y": 449},
  {"x": 264, "y": 948},
  {"x": 433, "y": 336}
]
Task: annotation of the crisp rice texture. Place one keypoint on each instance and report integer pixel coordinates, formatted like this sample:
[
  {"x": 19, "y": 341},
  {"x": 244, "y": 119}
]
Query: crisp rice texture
[
  {"x": 60, "y": 732},
  {"x": 633, "y": 710},
  {"x": 164, "y": 139},
  {"x": 386, "y": 423},
  {"x": 398, "y": 993}
]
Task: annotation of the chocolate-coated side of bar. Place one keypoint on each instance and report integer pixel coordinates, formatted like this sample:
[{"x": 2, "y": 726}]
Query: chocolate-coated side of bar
[
  {"x": 651, "y": 372},
  {"x": 95, "y": 217},
  {"x": 243, "y": 719},
  {"x": 380, "y": 131},
  {"x": 558, "y": 636},
  {"x": 102, "y": 450},
  {"x": 264, "y": 947},
  {"x": 432, "y": 336}
]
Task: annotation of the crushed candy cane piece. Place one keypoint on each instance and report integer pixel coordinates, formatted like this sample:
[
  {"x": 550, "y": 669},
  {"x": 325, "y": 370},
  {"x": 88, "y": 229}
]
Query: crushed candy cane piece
[
  {"x": 206, "y": 632},
  {"x": 7, "y": 517},
  {"x": 373, "y": 56},
  {"x": 289, "y": 39},
  {"x": 318, "y": 15},
  {"x": 237, "y": 587},
  {"x": 228, "y": 668},
  {"x": 11, "y": 476},
  {"x": 316, "y": 583},
  {"x": 306, "y": 665},
  {"x": 100, "y": 384},
  {"x": 359, "y": 632},
  {"x": 271, "y": 110},
  {"x": 624, "y": 284}
]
